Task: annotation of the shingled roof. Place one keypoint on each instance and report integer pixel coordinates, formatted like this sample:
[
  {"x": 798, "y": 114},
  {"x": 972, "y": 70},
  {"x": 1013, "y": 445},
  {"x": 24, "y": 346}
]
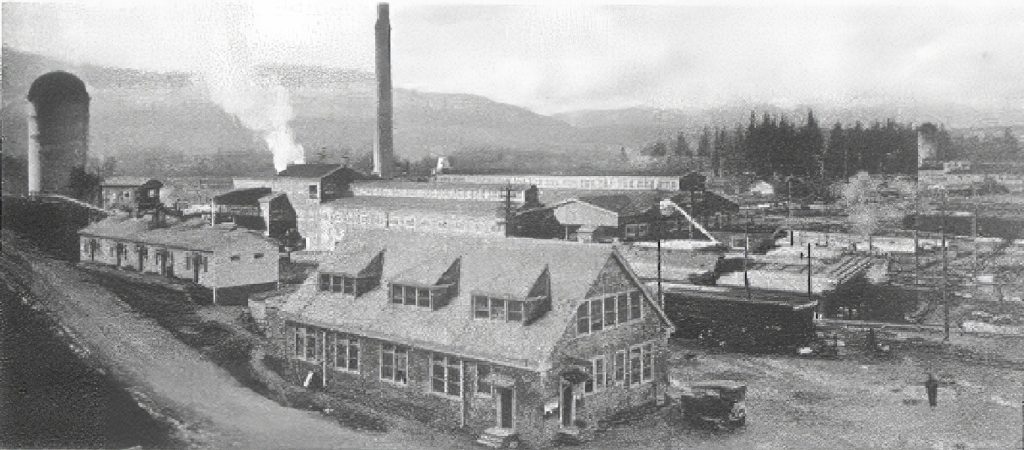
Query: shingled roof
[{"x": 496, "y": 266}]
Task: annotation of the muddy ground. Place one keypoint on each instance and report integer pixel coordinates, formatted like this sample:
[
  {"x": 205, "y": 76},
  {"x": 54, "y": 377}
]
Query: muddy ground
[{"x": 855, "y": 401}]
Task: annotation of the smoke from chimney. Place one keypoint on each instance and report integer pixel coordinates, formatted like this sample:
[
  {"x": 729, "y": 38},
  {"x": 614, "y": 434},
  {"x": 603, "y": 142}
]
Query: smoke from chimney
[{"x": 263, "y": 106}]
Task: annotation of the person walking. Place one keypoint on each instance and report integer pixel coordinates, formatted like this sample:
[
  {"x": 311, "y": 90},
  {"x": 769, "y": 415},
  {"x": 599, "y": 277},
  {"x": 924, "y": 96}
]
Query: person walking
[{"x": 932, "y": 387}]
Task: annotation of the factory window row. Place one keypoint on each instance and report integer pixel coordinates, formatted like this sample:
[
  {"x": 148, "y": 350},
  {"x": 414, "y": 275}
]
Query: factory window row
[
  {"x": 342, "y": 351},
  {"x": 601, "y": 313}
]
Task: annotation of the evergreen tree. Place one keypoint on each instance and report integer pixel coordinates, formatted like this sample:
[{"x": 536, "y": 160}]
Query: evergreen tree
[
  {"x": 704, "y": 146},
  {"x": 682, "y": 148},
  {"x": 811, "y": 145},
  {"x": 718, "y": 149},
  {"x": 836, "y": 162}
]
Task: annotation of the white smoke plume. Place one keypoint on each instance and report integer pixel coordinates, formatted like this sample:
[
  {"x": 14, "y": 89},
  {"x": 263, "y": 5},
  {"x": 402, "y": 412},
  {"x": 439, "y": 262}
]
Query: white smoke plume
[
  {"x": 263, "y": 106},
  {"x": 866, "y": 213}
]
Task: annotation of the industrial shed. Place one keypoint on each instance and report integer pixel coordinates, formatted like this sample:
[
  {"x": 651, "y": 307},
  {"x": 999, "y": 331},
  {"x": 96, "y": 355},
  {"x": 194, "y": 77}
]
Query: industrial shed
[{"x": 233, "y": 263}]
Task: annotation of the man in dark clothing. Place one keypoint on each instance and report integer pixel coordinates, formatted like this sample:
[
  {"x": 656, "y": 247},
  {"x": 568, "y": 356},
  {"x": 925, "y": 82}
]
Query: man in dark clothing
[{"x": 932, "y": 386}]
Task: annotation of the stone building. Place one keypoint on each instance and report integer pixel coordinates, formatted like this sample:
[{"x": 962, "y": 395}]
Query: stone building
[{"x": 502, "y": 337}]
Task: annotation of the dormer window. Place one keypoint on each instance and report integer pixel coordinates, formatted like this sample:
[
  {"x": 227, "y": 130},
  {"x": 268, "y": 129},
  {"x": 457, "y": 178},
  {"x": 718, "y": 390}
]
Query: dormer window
[
  {"x": 345, "y": 284},
  {"x": 432, "y": 297},
  {"x": 430, "y": 285},
  {"x": 485, "y": 307}
]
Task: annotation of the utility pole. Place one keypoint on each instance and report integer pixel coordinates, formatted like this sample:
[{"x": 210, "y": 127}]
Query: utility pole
[
  {"x": 974, "y": 234},
  {"x": 789, "y": 200},
  {"x": 657, "y": 233},
  {"x": 945, "y": 272},
  {"x": 746, "y": 243},
  {"x": 809, "y": 292},
  {"x": 508, "y": 209}
]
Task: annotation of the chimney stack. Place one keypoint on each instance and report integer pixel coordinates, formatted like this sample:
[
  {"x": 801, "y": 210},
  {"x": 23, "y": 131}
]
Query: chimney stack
[{"x": 383, "y": 142}]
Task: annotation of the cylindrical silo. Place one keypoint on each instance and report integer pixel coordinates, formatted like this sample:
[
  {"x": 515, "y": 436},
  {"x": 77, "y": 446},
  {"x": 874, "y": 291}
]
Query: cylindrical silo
[{"x": 58, "y": 131}]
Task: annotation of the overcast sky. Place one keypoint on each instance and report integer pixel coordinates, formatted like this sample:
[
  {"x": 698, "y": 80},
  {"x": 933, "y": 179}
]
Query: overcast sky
[{"x": 579, "y": 56}]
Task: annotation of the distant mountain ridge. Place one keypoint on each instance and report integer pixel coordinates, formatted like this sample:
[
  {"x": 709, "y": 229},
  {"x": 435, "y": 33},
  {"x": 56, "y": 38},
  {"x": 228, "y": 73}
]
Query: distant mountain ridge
[{"x": 135, "y": 110}]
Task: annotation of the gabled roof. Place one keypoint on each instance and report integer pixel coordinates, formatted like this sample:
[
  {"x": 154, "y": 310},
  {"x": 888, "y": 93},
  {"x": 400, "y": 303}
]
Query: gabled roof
[
  {"x": 489, "y": 265},
  {"x": 309, "y": 170},
  {"x": 250, "y": 196}
]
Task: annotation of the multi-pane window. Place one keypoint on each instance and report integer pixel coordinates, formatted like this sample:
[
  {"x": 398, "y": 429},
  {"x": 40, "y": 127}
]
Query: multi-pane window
[
  {"x": 346, "y": 284},
  {"x": 597, "y": 373},
  {"x": 595, "y": 315},
  {"x": 515, "y": 311},
  {"x": 394, "y": 363},
  {"x": 622, "y": 303},
  {"x": 620, "y": 367},
  {"x": 609, "y": 311},
  {"x": 446, "y": 374},
  {"x": 583, "y": 318},
  {"x": 635, "y": 364},
  {"x": 483, "y": 387},
  {"x": 497, "y": 309},
  {"x": 306, "y": 344},
  {"x": 300, "y": 342},
  {"x": 485, "y": 307},
  {"x": 648, "y": 350},
  {"x": 346, "y": 352},
  {"x": 311, "y": 347},
  {"x": 426, "y": 297}
]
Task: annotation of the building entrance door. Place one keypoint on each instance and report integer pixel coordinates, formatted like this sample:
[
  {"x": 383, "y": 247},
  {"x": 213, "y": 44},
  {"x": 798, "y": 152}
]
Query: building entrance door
[
  {"x": 567, "y": 405},
  {"x": 504, "y": 395},
  {"x": 120, "y": 250},
  {"x": 196, "y": 260}
]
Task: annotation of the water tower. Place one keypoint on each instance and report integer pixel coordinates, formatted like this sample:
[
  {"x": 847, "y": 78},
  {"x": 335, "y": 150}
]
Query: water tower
[{"x": 58, "y": 131}]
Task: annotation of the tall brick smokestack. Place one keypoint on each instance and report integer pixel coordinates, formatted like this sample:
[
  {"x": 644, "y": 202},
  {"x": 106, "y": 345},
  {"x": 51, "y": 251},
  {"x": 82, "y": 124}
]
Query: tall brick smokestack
[{"x": 383, "y": 139}]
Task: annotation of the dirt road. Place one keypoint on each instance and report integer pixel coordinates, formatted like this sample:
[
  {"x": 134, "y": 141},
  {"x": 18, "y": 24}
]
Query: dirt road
[{"x": 214, "y": 409}]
